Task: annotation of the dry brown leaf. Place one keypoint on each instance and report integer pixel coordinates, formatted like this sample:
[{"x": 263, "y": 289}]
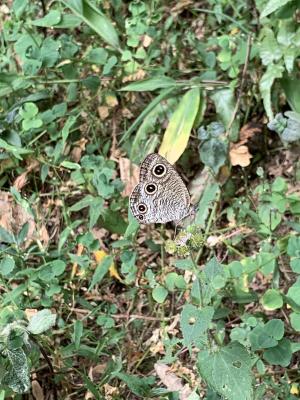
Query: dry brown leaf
[
  {"x": 78, "y": 149},
  {"x": 181, "y": 6},
  {"x": 111, "y": 100},
  {"x": 147, "y": 40},
  {"x": 21, "y": 180},
  {"x": 129, "y": 174},
  {"x": 137, "y": 76},
  {"x": 30, "y": 312},
  {"x": 127, "y": 113},
  {"x": 172, "y": 381},
  {"x": 13, "y": 217},
  {"x": 37, "y": 391},
  {"x": 248, "y": 131},
  {"x": 239, "y": 155},
  {"x": 103, "y": 112}
]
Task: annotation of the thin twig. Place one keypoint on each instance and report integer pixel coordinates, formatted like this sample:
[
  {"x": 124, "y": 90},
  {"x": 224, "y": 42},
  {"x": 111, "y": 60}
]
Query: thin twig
[
  {"x": 243, "y": 80},
  {"x": 48, "y": 361}
]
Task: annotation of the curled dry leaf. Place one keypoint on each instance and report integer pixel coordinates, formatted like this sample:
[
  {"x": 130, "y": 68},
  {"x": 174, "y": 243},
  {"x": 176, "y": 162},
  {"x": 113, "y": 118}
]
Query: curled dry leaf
[
  {"x": 248, "y": 131},
  {"x": 103, "y": 112},
  {"x": 13, "y": 217},
  {"x": 239, "y": 155},
  {"x": 137, "y": 76},
  {"x": 129, "y": 174},
  {"x": 172, "y": 381},
  {"x": 21, "y": 180}
]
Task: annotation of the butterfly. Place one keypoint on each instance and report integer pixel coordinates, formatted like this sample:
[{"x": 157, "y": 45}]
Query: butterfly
[{"x": 161, "y": 195}]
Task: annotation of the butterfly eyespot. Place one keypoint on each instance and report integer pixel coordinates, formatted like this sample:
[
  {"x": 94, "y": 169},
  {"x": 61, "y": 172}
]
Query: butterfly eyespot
[
  {"x": 141, "y": 217},
  {"x": 151, "y": 188},
  {"x": 159, "y": 170},
  {"x": 142, "y": 208}
]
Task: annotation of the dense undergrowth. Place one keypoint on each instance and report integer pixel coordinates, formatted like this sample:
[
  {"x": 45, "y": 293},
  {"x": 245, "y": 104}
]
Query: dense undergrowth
[{"x": 93, "y": 305}]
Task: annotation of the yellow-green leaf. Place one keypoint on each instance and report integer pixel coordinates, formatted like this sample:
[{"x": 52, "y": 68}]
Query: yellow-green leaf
[{"x": 179, "y": 129}]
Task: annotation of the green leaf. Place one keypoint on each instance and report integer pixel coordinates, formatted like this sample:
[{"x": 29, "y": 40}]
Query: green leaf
[
  {"x": 272, "y": 300},
  {"x": 228, "y": 371},
  {"x": 294, "y": 292},
  {"x": 5, "y": 236},
  {"x": 261, "y": 339},
  {"x": 180, "y": 125},
  {"x": 194, "y": 323},
  {"x": 163, "y": 95},
  {"x": 279, "y": 355},
  {"x": 269, "y": 48},
  {"x": 97, "y": 56},
  {"x": 101, "y": 271},
  {"x": 96, "y": 20},
  {"x": 17, "y": 376},
  {"x": 275, "y": 328},
  {"x": 159, "y": 294},
  {"x": 52, "y": 269},
  {"x": 271, "y": 6},
  {"x": 208, "y": 198},
  {"x": 15, "y": 151},
  {"x": 214, "y": 153},
  {"x": 147, "y": 85},
  {"x": 274, "y": 71},
  {"x": 77, "y": 333},
  {"x": 7, "y": 265},
  {"x": 291, "y": 89},
  {"x": 140, "y": 386},
  {"x": 295, "y": 321},
  {"x": 225, "y": 104},
  {"x": 49, "y": 20},
  {"x": 41, "y": 322}
]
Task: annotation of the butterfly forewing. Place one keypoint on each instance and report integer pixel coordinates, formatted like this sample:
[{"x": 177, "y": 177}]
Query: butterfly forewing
[{"x": 161, "y": 196}]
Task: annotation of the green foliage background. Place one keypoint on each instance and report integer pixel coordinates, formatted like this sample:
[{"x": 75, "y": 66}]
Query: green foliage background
[{"x": 84, "y": 82}]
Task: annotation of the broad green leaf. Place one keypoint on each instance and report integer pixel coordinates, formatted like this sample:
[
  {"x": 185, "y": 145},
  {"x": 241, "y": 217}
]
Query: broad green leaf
[
  {"x": 269, "y": 49},
  {"x": 159, "y": 294},
  {"x": 294, "y": 292},
  {"x": 101, "y": 271},
  {"x": 295, "y": 321},
  {"x": 280, "y": 354},
  {"x": 275, "y": 328},
  {"x": 271, "y": 300},
  {"x": 224, "y": 100},
  {"x": 274, "y": 71},
  {"x": 261, "y": 339},
  {"x": 194, "y": 323},
  {"x": 146, "y": 137},
  {"x": 7, "y": 265},
  {"x": 17, "y": 376},
  {"x": 163, "y": 95},
  {"x": 49, "y": 20},
  {"x": 6, "y": 237},
  {"x": 147, "y": 85},
  {"x": 97, "y": 56},
  {"x": 52, "y": 269},
  {"x": 140, "y": 386},
  {"x": 41, "y": 322},
  {"x": 228, "y": 371},
  {"x": 180, "y": 125},
  {"x": 96, "y": 20},
  {"x": 271, "y": 6},
  {"x": 214, "y": 153},
  {"x": 291, "y": 89}
]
